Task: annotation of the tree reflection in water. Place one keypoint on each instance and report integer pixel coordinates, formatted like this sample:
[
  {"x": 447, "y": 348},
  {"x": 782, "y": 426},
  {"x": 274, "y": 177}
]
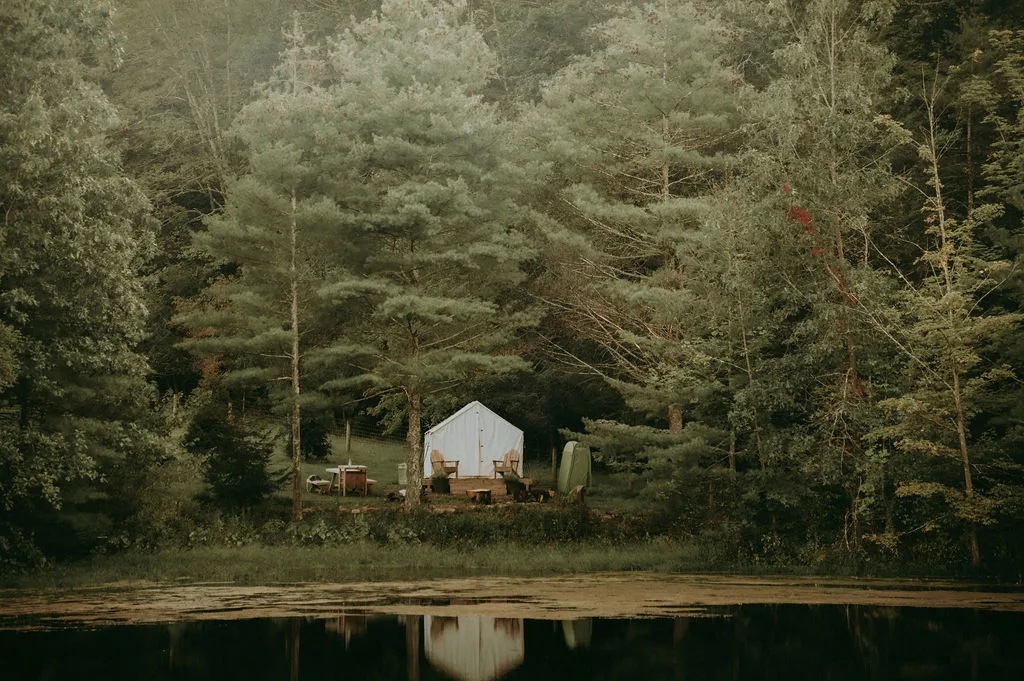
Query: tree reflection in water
[{"x": 768, "y": 642}]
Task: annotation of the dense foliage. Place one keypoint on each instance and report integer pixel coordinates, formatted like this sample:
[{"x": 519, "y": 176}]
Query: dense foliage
[
  {"x": 74, "y": 234},
  {"x": 763, "y": 256}
]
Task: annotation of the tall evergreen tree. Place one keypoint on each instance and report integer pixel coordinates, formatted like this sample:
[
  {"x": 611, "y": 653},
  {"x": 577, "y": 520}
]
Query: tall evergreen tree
[
  {"x": 190, "y": 67},
  {"x": 824, "y": 147},
  {"x": 430, "y": 185},
  {"x": 377, "y": 237},
  {"x": 277, "y": 233},
  {"x": 947, "y": 335},
  {"x": 640, "y": 133}
]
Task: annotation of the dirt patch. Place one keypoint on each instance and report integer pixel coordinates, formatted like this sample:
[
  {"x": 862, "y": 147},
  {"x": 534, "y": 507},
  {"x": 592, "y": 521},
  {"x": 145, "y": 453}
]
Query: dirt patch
[{"x": 601, "y": 595}]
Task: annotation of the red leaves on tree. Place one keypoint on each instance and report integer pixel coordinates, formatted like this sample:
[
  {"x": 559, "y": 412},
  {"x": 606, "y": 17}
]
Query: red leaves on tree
[
  {"x": 806, "y": 220},
  {"x": 802, "y": 216}
]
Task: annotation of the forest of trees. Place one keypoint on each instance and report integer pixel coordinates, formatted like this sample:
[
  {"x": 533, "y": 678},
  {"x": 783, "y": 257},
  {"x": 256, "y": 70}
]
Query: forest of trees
[{"x": 761, "y": 255}]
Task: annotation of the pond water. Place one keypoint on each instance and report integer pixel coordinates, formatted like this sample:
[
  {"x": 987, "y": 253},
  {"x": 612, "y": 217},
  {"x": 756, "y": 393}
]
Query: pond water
[{"x": 782, "y": 641}]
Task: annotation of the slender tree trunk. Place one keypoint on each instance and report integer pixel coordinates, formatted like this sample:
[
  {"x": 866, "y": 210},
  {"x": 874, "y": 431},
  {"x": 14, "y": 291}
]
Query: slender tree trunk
[
  {"x": 959, "y": 412},
  {"x": 675, "y": 419},
  {"x": 732, "y": 450},
  {"x": 296, "y": 417},
  {"x": 851, "y": 390},
  {"x": 854, "y": 492},
  {"x": 750, "y": 382},
  {"x": 969, "y": 162},
  {"x": 414, "y": 442},
  {"x": 840, "y": 275},
  {"x": 965, "y": 459}
]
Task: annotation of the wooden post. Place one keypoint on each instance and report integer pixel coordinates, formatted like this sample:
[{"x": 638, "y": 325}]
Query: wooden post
[{"x": 348, "y": 436}]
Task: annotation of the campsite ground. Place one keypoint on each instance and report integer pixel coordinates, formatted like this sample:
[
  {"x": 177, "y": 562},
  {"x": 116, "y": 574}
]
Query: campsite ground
[{"x": 383, "y": 456}]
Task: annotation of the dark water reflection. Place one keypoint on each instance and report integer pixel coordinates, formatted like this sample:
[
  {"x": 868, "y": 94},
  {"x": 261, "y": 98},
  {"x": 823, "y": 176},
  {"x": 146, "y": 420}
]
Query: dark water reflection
[{"x": 749, "y": 642}]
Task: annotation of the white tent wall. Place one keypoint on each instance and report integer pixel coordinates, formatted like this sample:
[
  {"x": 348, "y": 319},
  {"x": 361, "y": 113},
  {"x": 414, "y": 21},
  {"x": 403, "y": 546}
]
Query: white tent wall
[{"x": 475, "y": 437}]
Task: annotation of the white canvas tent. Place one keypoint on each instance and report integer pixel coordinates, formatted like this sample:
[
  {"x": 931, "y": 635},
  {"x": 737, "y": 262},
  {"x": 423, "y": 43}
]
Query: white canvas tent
[{"x": 475, "y": 437}]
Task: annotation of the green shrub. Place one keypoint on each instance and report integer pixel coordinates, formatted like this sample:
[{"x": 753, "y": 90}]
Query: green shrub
[
  {"x": 314, "y": 438},
  {"x": 17, "y": 552},
  {"x": 237, "y": 461}
]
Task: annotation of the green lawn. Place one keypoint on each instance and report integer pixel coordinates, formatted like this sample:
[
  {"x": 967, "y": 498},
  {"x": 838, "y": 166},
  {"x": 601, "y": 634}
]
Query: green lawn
[{"x": 381, "y": 457}]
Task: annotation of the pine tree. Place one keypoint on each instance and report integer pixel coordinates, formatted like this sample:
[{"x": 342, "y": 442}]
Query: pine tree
[
  {"x": 275, "y": 237},
  {"x": 640, "y": 133},
  {"x": 431, "y": 187},
  {"x": 376, "y": 238},
  {"x": 945, "y": 339}
]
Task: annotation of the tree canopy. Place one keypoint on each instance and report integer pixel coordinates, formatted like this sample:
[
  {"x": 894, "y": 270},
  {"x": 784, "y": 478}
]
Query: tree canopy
[{"x": 782, "y": 237}]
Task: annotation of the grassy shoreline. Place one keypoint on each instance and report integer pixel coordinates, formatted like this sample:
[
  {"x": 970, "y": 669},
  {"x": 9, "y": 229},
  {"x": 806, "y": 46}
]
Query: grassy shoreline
[
  {"x": 368, "y": 539},
  {"x": 362, "y": 561},
  {"x": 371, "y": 561}
]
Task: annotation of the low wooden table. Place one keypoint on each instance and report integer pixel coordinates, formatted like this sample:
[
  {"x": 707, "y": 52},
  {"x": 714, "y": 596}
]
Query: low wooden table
[{"x": 479, "y": 496}]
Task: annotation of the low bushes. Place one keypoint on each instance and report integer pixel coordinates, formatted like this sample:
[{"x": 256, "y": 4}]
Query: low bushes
[{"x": 521, "y": 524}]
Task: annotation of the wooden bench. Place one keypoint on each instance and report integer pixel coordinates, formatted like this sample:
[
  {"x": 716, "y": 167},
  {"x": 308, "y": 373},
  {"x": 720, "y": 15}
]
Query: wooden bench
[{"x": 315, "y": 483}]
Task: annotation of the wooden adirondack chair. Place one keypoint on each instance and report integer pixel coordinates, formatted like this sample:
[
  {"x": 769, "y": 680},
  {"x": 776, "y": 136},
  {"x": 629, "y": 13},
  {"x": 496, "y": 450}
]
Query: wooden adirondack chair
[
  {"x": 509, "y": 464},
  {"x": 438, "y": 463}
]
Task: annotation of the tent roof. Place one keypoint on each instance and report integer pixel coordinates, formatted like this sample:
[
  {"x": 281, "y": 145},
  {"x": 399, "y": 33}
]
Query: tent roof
[{"x": 468, "y": 408}]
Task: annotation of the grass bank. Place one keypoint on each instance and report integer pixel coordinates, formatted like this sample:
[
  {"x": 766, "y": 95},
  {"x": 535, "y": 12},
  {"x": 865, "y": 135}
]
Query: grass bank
[{"x": 364, "y": 560}]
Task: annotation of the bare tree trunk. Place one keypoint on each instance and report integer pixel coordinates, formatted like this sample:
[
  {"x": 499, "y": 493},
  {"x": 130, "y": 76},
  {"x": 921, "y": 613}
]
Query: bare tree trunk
[
  {"x": 945, "y": 248},
  {"x": 961, "y": 431},
  {"x": 296, "y": 417},
  {"x": 675, "y": 419},
  {"x": 732, "y": 450},
  {"x": 414, "y": 442}
]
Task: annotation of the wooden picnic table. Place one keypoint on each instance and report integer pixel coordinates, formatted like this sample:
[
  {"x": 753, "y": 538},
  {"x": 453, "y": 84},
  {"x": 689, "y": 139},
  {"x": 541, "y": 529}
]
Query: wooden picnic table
[{"x": 349, "y": 477}]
